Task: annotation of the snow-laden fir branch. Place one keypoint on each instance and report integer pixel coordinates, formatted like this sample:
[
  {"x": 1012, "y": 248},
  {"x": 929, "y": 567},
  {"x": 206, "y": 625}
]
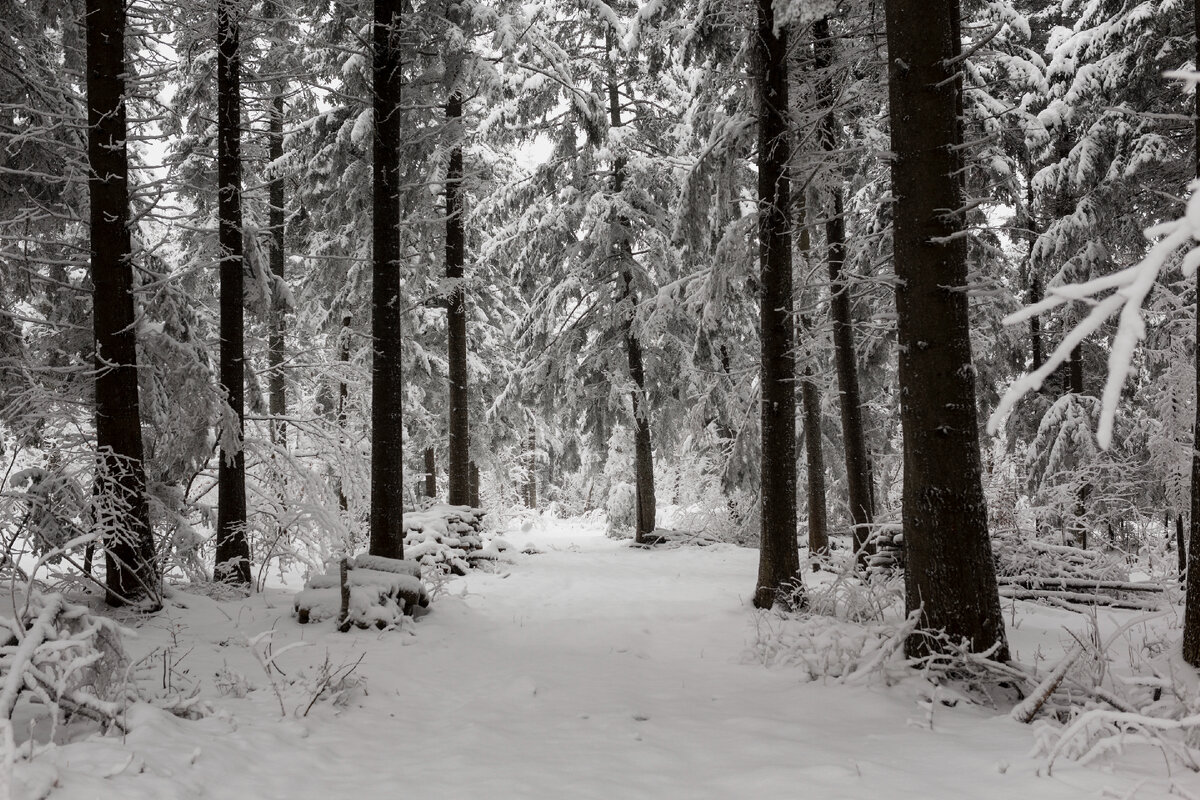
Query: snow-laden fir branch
[{"x": 1130, "y": 287}]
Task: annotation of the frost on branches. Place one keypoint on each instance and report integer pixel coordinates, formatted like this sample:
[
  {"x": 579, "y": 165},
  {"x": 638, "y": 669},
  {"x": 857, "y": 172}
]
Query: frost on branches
[{"x": 1130, "y": 287}]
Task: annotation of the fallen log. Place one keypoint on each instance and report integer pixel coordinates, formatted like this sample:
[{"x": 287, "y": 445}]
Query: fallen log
[
  {"x": 1067, "y": 584},
  {"x": 1077, "y": 598}
]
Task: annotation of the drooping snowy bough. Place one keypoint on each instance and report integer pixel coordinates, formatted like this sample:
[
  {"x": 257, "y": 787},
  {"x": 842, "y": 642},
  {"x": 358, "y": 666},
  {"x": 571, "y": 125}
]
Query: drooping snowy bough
[
  {"x": 1130, "y": 287},
  {"x": 62, "y": 656}
]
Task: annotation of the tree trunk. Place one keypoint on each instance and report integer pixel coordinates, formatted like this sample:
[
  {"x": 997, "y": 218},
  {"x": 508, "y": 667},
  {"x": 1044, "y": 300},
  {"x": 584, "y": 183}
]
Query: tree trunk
[
  {"x": 459, "y": 477},
  {"x": 277, "y": 388},
  {"x": 950, "y": 573},
  {"x": 343, "y": 396},
  {"x": 430, "y": 473},
  {"x": 849, "y": 398},
  {"x": 124, "y": 526},
  {"x": 643, "y": 452},
  {"x": 1181, "y": 547},
  {"x": 818, "y": 518},
  {"x": 779, "y": 579},
  {"x": 473, "y": 499},
  {"x": 1035, "y": 322},
  {"x": 233, "y": 548},
  {"x": 1191, "y": 614},
  {"x": 810, "y": 397},
  {"x": 531, "y": 473},
  {"x": 387, "y": 413}
]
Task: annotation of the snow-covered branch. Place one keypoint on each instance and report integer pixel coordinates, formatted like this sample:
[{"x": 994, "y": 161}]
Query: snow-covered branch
[{"x": 1130, "y": 288}]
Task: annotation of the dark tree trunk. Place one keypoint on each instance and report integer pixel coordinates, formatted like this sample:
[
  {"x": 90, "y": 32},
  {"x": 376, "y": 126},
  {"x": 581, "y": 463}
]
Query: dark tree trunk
[
  {"x": 779, "y": 579},
  {"x": 849, "y": 398},
  {"x": 818, "y": 519},
  {"x": 233, "y": 548},
  {"x": 473, "y": 499},
  {"x": 387, "y": 414},
  {"x": 531, "y": 472},
  {"x": 459, "y": 477},
  {"x": 123, "y": 515},
  {"x": 643, "y": 452},
  {"x": 950, "y": 572},
  {"x": 430, "y": 473},
  {"x": 810, "y": 397},
  {"x": 1035, "y": 322},
  {"x": 1181, "y": 547},
  {"x": 1191, "y": 615},
  {"x": 1075, "y": 371},
  {"x": 643, "y": 455},
  {"x": 277, "y": 388},
  {"x": 343, "y": 397}
]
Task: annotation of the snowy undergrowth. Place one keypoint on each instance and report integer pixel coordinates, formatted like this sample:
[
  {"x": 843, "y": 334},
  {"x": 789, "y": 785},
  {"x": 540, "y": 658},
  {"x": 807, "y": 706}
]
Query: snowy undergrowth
[{"x": 591, "y": 670}]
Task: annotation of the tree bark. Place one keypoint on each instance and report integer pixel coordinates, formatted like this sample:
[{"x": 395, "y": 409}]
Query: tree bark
[
  {"x": 232, "y": 546},
  {"x": 1181, "y": 547},
  {"x": 387, "y": 412},
  {"x": 810, "y": 402},
  {"x": 124, "y": 526},
  {"x": 473, "y": 499},
  {"x": 858, "y": 483},
  {"x": 1035, "y": 322},
  {"x": 779, "y": 579},
  {"x": 1191, "y": 614},
  {"x": 950, "y": 573},
  {"x": 643, "y": 451},
  {"x": 431, "y": 473},
  {"x": 343, "y": 397},
  {"x": 459, "y": 476},
  {"x": 531, "y": 473},
  {"x": 277, "y": 387}
]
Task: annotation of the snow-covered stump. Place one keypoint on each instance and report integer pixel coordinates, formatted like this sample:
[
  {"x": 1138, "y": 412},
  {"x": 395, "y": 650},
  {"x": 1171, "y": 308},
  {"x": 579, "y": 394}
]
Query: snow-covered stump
[{"x": 379, "y": 595}]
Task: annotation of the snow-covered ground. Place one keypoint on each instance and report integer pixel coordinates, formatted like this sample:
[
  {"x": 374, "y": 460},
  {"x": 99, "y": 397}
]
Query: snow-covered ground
[{"x": 590, "y": 670}]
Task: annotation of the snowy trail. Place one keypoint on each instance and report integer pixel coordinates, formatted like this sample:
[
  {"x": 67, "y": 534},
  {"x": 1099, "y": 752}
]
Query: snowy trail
[{"x": 591, "y": 670}]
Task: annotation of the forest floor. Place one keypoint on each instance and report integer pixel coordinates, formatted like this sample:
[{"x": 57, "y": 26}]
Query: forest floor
[{"x": 589, "y": 670}]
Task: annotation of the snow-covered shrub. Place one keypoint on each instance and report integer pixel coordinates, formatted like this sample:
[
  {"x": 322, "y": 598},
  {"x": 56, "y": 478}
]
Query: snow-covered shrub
[
  {"x": 622, "y": 510},
  {"x": 824, "y": 647},
  {"x": 851, "y": 599},
  {"x": 63, "y": 656},
  {"x": 55, "y": 508}
]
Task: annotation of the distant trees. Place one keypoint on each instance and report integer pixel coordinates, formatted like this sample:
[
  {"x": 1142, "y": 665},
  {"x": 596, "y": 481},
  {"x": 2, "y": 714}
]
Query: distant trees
[{"x": 649, "y": 261}]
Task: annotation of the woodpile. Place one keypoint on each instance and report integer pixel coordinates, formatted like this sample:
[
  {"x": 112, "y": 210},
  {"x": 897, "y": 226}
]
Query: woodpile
[
  {"x": 370, "y": 591},
  {"x": 448, "y": 538}
]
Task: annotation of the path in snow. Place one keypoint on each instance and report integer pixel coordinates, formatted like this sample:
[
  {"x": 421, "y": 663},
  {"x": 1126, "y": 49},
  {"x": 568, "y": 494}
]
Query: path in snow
[{"x": 592, "y": 670}]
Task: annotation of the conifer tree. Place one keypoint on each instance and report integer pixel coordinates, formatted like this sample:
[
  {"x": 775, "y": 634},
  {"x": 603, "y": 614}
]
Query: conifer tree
[
  {"x": 950, "y": 574},
  {"x": 233, "y": 547},
  {"x": 387, "y": 411},
  {"x": 124, "y": 517},
  {"x": 779, "y": 581}
]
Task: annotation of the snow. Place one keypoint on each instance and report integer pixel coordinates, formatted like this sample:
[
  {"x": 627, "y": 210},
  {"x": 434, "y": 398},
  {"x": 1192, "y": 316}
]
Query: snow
[{"x": 589, "y": 670}]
